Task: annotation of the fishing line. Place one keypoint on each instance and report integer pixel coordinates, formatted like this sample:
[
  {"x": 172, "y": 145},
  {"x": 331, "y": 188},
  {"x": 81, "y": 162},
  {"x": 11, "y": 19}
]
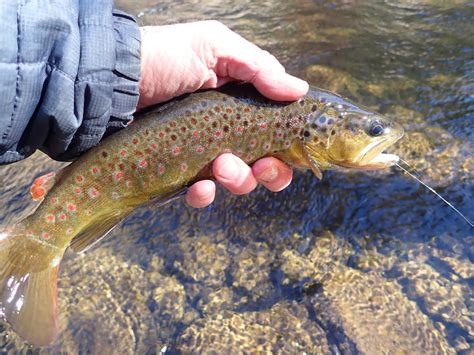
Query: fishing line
[{"x": 432, "y": 190}]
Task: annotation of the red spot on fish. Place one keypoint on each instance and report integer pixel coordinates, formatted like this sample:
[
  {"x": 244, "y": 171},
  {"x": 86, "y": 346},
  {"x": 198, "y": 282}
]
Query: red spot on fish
[
  {"x": 79, "y": 178},
  {"x": 239, "y": 129},
  {"x": 267, "y": 146},
  {"x": 45, "y": 235},
  {"x": 184, "y": 167},
  {"x": 77, "y": 190},
  {"x": 176, "y": 150},
  {"x": 39, "y": 181},
  {"x": 62, "y": 217},
  {"x": 161, "y": 134},
  {"x": 118, "y": 176},
  {"x": 153, "y": 146},
  {"x": 93, "y": 192},
  {"x": 253, "y": 143},
  {"x": 94, "y": 170},
  {"x": 193, "y": 120},
  {"x": 263, "y": 126},
  {"x": 135, "y": 140},
  {"x": 133, "y": 166},
  {"x": 217, "y": 109},
  {"x": 247, "y": 109},
  {"x": 218, "y": 133},
  {"x": 138, "y": 153},
  {"x": 71, "y": 207},
  {"x": 195, "y": 134},
  {"x": 199, "y": 149},
  {"x": 123, "y": 152},
  {"x": 287, "y": 143},
  {"x": 173, "y": 137},
  {"x": 206, "y": 118},
  {"x": 143, "y": 164},
  {"x": 183, "y": 129},
  {"x": 54, "y": 200},
  {"x": 128, "y": 183},
  {"x": 121, "y": 166},
  {"x": 228, "y": 110},
  {"x": 50, "y": 218},
  {"x": 173, "y": 124},
  {"x": 37, "y": 192},
  {"x": 161, "y": 169}
]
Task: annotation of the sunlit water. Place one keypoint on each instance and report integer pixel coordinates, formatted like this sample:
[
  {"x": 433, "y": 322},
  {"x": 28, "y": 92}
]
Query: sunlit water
[{"x": 357, "y": 262}]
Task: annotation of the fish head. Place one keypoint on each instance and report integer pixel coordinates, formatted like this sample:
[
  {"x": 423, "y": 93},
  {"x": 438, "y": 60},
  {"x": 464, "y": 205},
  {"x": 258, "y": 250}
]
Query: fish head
[{"x": 339, "y": 133}]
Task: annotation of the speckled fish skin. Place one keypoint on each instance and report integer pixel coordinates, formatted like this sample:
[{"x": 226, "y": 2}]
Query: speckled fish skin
[{"x": 169, "y": 148}]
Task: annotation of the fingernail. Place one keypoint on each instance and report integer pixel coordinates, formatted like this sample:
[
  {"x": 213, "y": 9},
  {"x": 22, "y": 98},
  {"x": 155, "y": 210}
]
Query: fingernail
[
  {"x": 269, "y": 174},
  {"x": 229, "y": 171}
]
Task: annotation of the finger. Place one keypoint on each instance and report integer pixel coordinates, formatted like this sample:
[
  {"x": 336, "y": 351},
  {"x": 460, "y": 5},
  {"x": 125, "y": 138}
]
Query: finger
[
  {"x": 201, "y": 194},
  {"x": 272, "y": 173},
  {"x": 234, "y": 174},
  {"x": 246, "y": 62}
]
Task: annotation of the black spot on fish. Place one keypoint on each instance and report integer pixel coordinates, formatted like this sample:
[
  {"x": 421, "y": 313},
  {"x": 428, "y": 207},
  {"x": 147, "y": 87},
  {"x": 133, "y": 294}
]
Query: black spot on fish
[
  {"x": 246, "y": 123},
  {"x": 174, "y": 137},
  {"x": 226, "y": 129},
  {"x": 301, "y": 102},
  {"x": 105, "y": 154},
  {"x": 330, "y": 122},
  {"x": 333, "y": 132},
  {"x": 214, "y": 124},
  {"x": 238, "y": 117},
  {"x": 306, "y": 134},
  {"x": 314, "y": 126},
  {"x": 314, "y": 108}
]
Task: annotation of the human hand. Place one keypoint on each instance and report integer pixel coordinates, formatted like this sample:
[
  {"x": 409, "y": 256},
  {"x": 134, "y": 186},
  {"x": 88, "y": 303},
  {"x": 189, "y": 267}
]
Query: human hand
[{"x": 184, "y": 58}]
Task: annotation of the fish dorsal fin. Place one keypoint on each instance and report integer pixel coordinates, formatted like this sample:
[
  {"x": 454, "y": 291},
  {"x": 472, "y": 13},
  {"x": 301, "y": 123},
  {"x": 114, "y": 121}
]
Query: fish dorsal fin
[
  {"x": 42, "y": 185},
  {"x": 96, "y": 230}
]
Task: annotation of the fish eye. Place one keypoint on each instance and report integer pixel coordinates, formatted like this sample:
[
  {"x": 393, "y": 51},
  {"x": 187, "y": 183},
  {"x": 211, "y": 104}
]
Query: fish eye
[{"x": 376, "y": 129}]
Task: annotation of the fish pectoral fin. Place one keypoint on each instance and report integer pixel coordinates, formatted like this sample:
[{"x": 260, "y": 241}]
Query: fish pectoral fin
[
  {"x": 96, "y": 230},
  {"x": 313, "y": 165}
]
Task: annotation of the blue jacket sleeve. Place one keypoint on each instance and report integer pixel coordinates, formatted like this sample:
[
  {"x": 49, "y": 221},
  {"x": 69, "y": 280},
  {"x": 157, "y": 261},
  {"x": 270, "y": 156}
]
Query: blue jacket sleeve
[{"x": 69, "y": 74}]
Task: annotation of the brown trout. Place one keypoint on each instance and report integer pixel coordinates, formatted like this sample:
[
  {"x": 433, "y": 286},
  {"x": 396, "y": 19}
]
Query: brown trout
[{"x": 156, "y": 158}]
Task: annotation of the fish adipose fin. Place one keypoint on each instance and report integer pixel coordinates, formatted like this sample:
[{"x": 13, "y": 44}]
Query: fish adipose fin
[
  {"x": 28, "y": 287},
  {"x": 96, "y": 230},
  {"x": 41, "y": 186}
]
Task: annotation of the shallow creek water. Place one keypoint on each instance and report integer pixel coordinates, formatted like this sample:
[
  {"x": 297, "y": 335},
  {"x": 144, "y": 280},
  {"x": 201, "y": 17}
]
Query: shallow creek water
[{"x": 356, "y": 263}]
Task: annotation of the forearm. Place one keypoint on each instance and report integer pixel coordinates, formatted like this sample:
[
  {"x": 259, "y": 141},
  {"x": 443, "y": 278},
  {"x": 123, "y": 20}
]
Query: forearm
[{"x": 69, "y": 75}]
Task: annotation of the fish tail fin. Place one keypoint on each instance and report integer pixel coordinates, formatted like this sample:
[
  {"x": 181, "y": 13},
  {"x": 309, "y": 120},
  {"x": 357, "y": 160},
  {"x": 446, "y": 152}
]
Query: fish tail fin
[{"x": 28, "y": 286}]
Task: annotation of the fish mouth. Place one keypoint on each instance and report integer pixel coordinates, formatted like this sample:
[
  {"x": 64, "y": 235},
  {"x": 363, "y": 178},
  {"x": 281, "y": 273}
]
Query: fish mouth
[{"x": 372, "y": 156}]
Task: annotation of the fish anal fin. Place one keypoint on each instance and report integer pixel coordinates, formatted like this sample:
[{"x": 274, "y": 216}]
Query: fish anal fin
[
  {"x": 42, "y": 185},
  {"x": 96, "y": 230}
]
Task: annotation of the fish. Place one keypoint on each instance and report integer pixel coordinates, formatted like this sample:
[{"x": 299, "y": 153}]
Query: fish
[{"x": 166, "y": 149}]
